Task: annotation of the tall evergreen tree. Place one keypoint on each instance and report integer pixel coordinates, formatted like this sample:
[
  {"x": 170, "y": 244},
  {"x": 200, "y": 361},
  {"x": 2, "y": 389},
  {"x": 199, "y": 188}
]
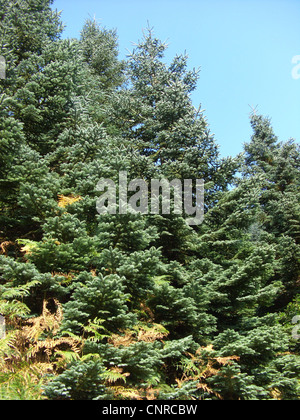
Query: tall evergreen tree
[
  {"x": 136, "y": 306},
  {"x": 243, "y": 237},
  {"x": 156, "y": 112}
]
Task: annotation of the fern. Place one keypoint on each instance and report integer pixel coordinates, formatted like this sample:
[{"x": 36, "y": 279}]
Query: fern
[
  {"x": 64, "y": 358},
  {"x": 31, "y": 351},
  {"x": 114, "y": 375},
  {"x": 21, "y": 386},
  {"x": 11, "y": 297},
  {"x": 65, "y": 201},
  {"x": 122, "y": 393},
  {"x": 28, "y": 246},
  {"x": 93, "y": 328},
  {"x": 13, "y": 309},
  {"x": 201, "y": 366}
]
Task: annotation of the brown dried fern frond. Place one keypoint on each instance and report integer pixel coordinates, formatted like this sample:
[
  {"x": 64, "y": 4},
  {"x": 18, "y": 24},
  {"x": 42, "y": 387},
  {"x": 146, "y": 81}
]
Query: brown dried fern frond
[
  {"x": 227, "y": 360},
  {"x": 65, "y": 201},
  {"x": 151, "y": 333},
  {"x": 125, "y": 339},
  {"x": 4, "y": 247},
  {"x": 127, "y": 393},
  {"x": 47, "y": 322},
  {"x": 198, "y": 368},
  {"x": 148, "y": 333}
]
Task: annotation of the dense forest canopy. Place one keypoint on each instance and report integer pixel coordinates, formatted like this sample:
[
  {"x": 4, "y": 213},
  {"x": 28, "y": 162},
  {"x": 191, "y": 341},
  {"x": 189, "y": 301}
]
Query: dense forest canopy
[{"x": 132, "y": 306}]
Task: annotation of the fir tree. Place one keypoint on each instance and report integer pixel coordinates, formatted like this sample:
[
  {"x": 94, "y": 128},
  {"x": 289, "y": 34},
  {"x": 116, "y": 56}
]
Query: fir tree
[
  {"x": 156, "y": 112},
  {"x": 136, "y": 306}
]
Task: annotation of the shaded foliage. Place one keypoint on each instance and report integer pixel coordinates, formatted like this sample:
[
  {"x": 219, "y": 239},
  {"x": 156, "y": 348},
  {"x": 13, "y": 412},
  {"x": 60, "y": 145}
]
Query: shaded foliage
[{"x": 136, "y": 306}]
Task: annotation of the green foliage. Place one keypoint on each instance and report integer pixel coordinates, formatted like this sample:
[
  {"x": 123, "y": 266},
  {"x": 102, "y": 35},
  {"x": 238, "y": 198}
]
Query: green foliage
[
  {"x": 21, "y": 387},
  {"x": 80, "y": 381},
  {"x": 98, "y": 297},
  {"x": 132, "y": 306}
]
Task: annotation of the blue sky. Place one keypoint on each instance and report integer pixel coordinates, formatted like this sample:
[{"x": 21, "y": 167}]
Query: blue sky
[{"x": 244, "y": 48}]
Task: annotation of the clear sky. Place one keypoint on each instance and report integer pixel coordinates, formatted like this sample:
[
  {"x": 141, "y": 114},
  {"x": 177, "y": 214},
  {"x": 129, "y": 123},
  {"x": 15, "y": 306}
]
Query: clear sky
[{"x": 245, "y": 49}]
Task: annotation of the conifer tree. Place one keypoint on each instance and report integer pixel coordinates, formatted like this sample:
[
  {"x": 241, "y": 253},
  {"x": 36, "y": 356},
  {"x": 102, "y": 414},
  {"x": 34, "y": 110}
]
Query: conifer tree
[
  {"x": 156, "y": 112},
  {"x": 243, "y": 238},
  {"x": 140, "y": 306}
]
